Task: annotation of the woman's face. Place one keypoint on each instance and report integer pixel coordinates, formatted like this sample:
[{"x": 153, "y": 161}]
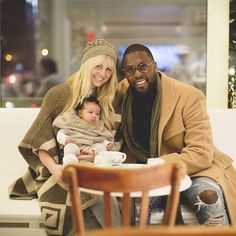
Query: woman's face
[{"x": 100, "y": 74}]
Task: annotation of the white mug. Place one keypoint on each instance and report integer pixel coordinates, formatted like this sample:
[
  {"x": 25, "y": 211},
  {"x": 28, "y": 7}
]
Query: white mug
[{"x": 112, "y": 158}]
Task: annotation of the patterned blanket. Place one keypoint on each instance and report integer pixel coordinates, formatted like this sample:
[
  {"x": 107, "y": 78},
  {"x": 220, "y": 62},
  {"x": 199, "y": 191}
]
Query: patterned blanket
[{"x": 54, "y": 202}]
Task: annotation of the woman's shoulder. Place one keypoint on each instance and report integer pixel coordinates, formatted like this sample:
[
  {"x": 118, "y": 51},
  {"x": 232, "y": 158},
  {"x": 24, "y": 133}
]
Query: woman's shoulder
[
  {"x": 62, "y": 88},
  {"x": 120, "y": 93},
  {"x": 122, "y": 86},
  {"x": 56, "y": 97},
  {"x": 58, "y": 93}
]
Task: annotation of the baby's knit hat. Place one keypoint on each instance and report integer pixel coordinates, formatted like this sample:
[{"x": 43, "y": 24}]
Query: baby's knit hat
[{"x": 99, "y": 47}]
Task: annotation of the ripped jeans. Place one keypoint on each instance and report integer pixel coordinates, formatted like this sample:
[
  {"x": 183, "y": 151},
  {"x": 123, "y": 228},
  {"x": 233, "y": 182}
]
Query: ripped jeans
[{"x": 205, "y": 198}]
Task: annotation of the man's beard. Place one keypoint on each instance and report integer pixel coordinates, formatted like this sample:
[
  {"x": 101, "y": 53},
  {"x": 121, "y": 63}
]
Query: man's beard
[{"x": 151, "y": 87}]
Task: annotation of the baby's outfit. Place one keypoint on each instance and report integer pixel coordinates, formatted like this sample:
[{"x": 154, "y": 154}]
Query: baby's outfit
[{"x": 84, "y": 135}]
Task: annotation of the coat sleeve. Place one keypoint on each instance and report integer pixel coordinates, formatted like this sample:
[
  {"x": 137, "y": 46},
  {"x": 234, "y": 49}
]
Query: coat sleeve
[{"x": 189, "y": 137}]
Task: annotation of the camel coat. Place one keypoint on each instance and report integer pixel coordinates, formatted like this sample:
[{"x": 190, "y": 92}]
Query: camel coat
[{"x": 185, "y": 133}]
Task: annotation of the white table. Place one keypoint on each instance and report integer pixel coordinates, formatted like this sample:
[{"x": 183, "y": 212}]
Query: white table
[{"x": 184, "y": 184}]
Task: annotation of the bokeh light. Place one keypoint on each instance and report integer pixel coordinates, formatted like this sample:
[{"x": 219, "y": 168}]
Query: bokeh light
[
  {"x": 44, "y": 52},
  {"x": 8, "y": 57}
]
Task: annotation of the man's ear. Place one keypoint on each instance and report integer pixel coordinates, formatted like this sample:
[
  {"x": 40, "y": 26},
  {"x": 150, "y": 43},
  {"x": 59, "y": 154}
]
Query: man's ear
[{"x": 155, "y": 66}]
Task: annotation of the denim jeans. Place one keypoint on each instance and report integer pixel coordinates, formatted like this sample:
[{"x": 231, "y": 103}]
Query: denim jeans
[
  {"x": 210, "y": 207},
  {"x": 156, "y": 203},
  {"x": 205, "y": 198}
]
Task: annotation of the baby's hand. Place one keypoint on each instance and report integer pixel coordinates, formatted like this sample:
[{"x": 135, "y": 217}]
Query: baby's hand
[
  {"x": 68, "y": 140},
  {"x": 86, "y": 155},
  {"x": 109, "y": 146}
]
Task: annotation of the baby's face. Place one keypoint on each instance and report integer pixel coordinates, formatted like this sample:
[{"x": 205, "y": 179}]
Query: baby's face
[{"x": 90, "y": 112}]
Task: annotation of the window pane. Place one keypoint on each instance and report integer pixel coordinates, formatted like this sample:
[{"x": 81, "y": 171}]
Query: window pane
[{"x": 174, "y": 30}]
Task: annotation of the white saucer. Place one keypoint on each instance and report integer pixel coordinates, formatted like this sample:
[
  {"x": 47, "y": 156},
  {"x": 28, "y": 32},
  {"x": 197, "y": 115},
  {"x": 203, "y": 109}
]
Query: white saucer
[
  {"x": 155, "y": 161},
  {"x": 130, "y": 165}
]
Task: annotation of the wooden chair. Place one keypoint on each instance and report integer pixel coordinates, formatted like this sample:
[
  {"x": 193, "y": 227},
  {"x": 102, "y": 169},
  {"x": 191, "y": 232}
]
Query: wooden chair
[
  {"x": 125, "y": 180},
  {"x": 167, "y": 231}
]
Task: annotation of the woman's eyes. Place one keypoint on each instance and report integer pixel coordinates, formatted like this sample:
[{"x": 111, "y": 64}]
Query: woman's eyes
[{"x": 101, "y": 67}]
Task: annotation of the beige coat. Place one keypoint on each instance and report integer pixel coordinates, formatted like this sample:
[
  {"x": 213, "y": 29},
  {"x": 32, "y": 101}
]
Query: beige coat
[{"x": 185, "y": 133}]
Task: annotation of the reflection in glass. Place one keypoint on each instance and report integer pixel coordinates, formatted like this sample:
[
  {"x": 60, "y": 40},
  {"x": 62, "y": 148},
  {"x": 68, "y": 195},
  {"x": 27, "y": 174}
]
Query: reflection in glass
[{"x": 60, "y": 30}]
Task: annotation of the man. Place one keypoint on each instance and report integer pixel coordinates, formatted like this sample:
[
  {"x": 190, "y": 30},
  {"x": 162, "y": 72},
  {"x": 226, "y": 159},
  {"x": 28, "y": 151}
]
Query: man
[
  {"x": 163, "y": 117},
  {"x": 50, "y": 76}
]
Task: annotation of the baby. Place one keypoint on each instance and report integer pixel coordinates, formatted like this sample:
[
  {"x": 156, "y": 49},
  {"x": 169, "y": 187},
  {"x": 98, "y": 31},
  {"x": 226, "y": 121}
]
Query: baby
[{"x": 81, "y": 129}]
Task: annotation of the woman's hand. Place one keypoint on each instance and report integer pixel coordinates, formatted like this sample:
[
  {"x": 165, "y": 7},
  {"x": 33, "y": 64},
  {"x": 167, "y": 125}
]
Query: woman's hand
[
  {"x": 56, "y": 171},
  {"x": 54, "y": 168},
  {"x": 86, "y": 155}
]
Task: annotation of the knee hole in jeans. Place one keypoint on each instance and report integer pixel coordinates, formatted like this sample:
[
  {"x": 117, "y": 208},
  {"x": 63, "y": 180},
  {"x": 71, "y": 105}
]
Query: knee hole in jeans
[{"x": 208, "y": 196}]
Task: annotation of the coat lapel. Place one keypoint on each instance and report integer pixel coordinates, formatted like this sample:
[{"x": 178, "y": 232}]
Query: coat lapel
[{"x": 169, "y": 99}]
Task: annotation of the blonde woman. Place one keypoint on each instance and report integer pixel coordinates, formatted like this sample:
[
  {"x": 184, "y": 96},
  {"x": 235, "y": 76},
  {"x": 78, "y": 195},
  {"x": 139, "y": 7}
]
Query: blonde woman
[{"x": 97, "y": 77}]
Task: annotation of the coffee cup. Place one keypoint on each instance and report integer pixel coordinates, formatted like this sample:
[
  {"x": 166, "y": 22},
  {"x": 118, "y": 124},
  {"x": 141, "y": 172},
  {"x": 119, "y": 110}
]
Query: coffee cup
[{"x": 110, "y": 158}]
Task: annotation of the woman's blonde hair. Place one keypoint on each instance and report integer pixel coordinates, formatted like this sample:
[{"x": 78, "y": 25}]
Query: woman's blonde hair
[{"x": 81, "y": 87}]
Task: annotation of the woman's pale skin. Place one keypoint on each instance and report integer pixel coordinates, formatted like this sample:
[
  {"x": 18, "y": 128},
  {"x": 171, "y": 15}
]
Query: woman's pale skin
[{"x": 99, "y": 76}]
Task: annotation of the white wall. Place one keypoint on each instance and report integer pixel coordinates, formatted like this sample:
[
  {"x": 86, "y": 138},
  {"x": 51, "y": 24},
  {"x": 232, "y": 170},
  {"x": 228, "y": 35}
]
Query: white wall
[{"x": 217, "y": 53}]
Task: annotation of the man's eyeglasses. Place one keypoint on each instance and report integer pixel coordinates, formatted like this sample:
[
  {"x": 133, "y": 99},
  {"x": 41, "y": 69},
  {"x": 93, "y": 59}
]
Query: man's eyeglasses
[{"x": 143, "y": 67}]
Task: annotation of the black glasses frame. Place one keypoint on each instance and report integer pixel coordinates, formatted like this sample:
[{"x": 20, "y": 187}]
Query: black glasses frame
[{"x": 142, "y": 67}]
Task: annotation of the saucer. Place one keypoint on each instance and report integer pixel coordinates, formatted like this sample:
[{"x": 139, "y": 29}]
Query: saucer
[{"x": 155, "y": 161}]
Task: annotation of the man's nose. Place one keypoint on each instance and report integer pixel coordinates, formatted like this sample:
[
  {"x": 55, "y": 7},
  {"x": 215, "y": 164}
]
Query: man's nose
[{"x": 137, "y": 73}]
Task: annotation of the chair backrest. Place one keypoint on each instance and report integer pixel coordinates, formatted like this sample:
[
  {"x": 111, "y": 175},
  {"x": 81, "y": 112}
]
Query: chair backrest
[
  {"x": 167, "y": 231},
  {"x": 125, "y": 180}
]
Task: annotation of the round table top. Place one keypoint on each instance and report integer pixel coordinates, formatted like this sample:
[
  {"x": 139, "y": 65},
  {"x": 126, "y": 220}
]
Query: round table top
[{"x": 184, "y": 184}]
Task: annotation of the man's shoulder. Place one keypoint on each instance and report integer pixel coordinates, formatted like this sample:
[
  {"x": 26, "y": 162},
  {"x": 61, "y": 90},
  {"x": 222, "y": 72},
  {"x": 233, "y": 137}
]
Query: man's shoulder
[{"x": 178, "y": 86}]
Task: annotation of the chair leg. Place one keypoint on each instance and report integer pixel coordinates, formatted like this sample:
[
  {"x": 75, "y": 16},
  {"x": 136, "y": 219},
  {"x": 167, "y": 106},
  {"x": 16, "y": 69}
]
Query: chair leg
[
  {"x": 107, "y": 210},
  {"x": 126, "y": 209},
  {"x": 144, "y": 210}
]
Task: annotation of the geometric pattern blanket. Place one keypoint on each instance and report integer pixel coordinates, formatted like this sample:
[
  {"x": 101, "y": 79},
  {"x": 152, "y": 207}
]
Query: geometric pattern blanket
[{"x": 37, "y": 182}]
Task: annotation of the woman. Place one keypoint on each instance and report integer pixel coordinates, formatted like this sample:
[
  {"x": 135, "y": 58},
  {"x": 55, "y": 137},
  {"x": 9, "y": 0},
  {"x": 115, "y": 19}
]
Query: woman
[{"x": 96, "y": 76}]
